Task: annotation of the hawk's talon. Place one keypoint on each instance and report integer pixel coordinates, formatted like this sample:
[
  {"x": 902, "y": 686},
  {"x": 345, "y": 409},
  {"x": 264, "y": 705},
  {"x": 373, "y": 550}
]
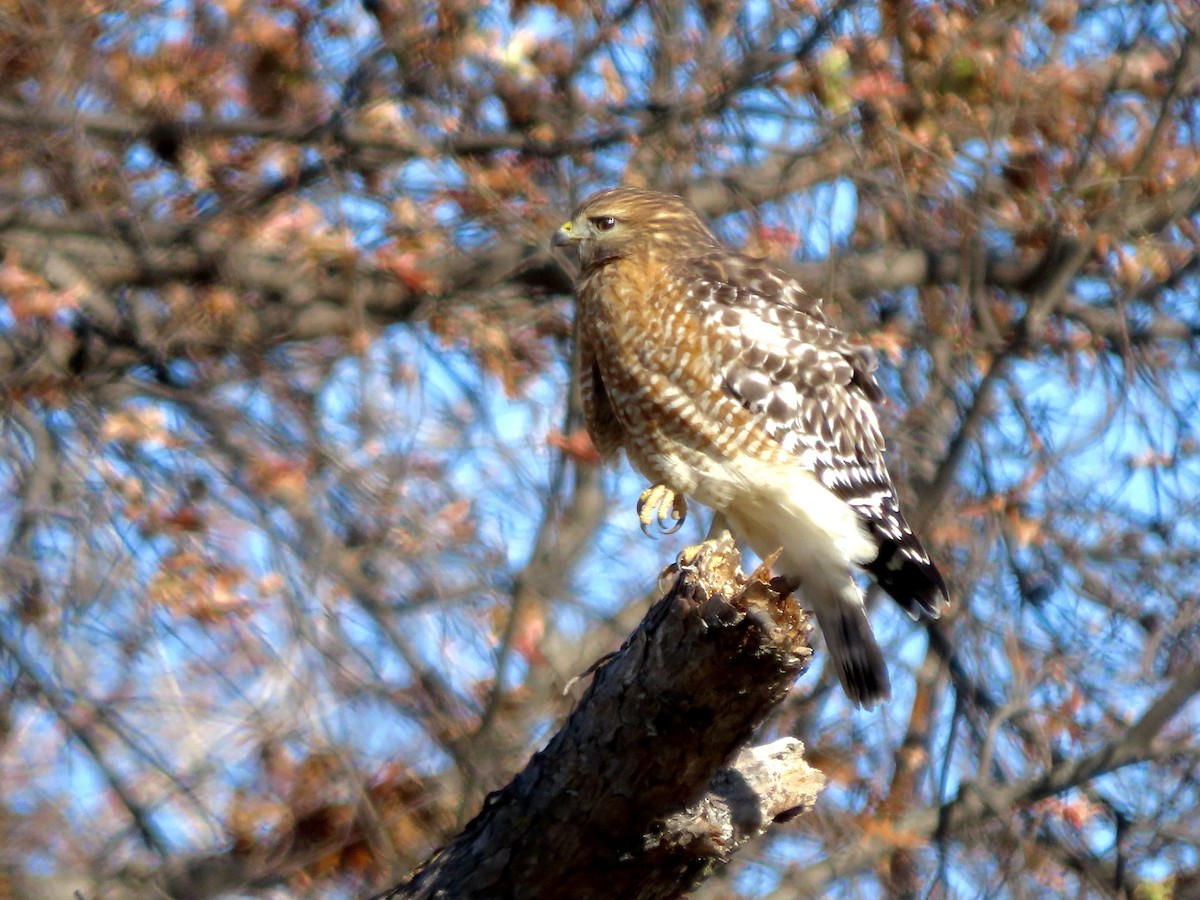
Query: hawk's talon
[
  {"x": 689, "y": 556},
  {"x": 661, "y": 505},
  {"x": 687, "y": 562}
]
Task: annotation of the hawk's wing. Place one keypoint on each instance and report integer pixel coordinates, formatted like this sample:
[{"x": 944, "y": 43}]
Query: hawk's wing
[{"x": 814, "y": 391}]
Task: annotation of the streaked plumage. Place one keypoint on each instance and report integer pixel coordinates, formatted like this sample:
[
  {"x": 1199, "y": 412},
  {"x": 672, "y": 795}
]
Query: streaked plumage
[{"x": 721, "y": 380}]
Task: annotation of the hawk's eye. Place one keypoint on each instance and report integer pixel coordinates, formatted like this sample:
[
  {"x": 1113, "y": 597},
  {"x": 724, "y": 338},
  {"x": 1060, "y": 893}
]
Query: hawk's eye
[{"x": 603, "y": 223}]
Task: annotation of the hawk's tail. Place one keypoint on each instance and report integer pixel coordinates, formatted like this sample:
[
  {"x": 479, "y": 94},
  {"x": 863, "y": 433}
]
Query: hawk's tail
[
  {"x": 853, "y": 650},
  {"x": 907, "y": 574}
]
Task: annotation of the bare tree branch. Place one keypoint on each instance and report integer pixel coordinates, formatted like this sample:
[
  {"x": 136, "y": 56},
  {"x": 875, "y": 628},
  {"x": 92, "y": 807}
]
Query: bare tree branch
[
  {"x": 976, "y": 804},
  {"x": 309, "y": 302},
  {"x": 644, "y": 789}
]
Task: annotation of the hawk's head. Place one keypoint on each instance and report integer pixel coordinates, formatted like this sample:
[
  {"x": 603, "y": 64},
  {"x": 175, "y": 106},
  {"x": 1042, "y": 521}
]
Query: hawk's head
[{"x": 624, "y": 222}]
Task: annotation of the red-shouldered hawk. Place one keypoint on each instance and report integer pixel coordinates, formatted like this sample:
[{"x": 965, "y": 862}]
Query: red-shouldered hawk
[{"x": 721, "y": 380}]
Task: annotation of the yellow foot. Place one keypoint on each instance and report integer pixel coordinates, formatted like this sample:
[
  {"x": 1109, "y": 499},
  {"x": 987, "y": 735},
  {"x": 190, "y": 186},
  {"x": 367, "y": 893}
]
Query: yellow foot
[
  {"x": 689, "y": 556},
  {"x": 719, "y": 542},
  {"x": 662, "y": 505},
  {"x": 713, "y": 560}
]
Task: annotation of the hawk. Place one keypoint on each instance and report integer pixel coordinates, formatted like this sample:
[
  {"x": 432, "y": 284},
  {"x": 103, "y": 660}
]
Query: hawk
[{"x": 721, "y": 380}]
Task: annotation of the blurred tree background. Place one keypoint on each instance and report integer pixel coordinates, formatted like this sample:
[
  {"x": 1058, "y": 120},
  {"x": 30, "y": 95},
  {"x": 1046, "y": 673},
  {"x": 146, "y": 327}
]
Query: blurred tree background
[{"x": 302, "y": 539}]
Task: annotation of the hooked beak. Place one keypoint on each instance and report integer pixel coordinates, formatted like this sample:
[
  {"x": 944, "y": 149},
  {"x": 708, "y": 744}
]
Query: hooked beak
[{"x": 564, "y": 236}]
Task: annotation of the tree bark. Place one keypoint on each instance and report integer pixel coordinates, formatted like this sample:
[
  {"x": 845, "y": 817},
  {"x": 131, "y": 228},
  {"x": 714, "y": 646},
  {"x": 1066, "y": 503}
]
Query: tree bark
[{"x": 649, "y": 786}]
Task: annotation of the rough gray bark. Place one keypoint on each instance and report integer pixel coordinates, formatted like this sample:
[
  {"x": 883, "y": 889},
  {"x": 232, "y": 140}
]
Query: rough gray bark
[{"x": 649, "y": 786}]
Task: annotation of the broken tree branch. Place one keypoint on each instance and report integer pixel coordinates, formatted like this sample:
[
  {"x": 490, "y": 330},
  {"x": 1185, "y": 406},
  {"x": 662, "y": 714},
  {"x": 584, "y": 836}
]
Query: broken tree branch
[{"x": 649, "y": 785}]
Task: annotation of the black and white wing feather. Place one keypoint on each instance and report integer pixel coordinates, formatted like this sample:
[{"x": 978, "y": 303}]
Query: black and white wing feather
[{"x": 815, "y": 392}]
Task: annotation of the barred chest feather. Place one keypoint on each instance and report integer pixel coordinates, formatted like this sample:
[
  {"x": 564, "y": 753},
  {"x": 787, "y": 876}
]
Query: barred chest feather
[{"x": 655, "y": 364}]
